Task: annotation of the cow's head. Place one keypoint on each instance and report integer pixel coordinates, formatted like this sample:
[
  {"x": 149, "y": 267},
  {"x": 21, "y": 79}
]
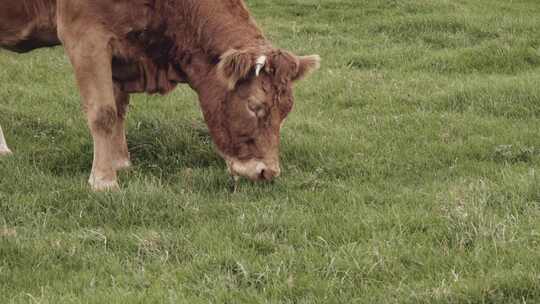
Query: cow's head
[{"x": 247, "y": 107}]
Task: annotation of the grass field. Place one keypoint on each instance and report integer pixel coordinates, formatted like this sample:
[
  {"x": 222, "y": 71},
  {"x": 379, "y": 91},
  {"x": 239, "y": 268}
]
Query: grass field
[{"x": 410, "y": 172}]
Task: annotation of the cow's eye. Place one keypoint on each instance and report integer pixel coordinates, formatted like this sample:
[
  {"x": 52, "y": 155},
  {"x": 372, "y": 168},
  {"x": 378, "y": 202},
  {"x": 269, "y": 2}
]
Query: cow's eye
[{"x": 257, "y": 109}]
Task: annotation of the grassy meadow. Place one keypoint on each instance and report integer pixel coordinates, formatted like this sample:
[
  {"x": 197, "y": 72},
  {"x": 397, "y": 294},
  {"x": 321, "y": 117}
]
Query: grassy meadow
[{"x": 409, "y": 172}]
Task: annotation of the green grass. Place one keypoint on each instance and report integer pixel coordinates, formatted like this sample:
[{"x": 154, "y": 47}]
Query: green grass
[{"x": 411, "y": 172}]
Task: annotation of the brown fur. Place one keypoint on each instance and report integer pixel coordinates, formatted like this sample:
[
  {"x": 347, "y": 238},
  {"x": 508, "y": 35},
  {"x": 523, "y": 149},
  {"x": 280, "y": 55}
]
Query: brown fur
[
  {"x": 153, "y": 45},
  {"x": 27, "y": 24},
  {"x": 235, "y": 65},
  {"x": 105, "y": 119}
]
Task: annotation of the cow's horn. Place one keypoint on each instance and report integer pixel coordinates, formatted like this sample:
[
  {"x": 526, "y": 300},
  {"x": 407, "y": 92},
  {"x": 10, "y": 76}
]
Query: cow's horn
[{"x": 259, "y": 64}]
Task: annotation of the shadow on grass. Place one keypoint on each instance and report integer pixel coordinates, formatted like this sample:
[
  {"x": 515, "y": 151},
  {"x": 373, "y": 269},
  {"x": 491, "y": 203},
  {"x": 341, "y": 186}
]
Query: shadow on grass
[
  {"x": 156, "y": 148},
  {"x": 164, "y": 147},
  {"x": 176, "y": 155}
]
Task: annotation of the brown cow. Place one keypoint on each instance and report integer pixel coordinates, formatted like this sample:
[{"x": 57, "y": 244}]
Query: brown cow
[{"x": 118, "y": 47}]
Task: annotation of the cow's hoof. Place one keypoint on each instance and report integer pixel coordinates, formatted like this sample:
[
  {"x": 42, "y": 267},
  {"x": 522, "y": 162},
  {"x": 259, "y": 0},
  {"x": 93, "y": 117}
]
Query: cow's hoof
[
  {"x": 99, "y": 185},
  {"x": 5, "y": 152},
  {"x": 122, "y": 164}
]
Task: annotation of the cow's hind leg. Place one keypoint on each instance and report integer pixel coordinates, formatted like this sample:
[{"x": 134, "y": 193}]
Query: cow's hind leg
[
  {"x": 91, "y": 57},
  {"x": 4, "y": 150},
  {"x": 121, "y": 154}
]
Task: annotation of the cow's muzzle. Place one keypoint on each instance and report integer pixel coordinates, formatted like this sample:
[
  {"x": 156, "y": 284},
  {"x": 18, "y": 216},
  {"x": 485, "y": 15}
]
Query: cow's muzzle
[{"x": 255, "y": 170}]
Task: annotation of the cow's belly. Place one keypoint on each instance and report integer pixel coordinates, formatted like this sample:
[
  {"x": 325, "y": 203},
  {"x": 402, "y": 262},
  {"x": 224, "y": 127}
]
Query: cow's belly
[
  {"x": 21, "y": 31},
  {"x": 29, "y": 43},
  {"x": 22, "y": 37}
]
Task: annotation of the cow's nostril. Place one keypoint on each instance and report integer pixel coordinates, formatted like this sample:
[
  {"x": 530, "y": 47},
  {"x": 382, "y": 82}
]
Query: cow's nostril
[
  {"x": 262, "y": 175},
  {"x": 268, "y": 174}
]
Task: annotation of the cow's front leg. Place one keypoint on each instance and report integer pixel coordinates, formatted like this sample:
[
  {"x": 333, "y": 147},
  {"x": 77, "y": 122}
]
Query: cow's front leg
[
  {"x": 4, "y": 150},
  {"x": 121, "y": 154},
  {"x": 91, "y": 58}
]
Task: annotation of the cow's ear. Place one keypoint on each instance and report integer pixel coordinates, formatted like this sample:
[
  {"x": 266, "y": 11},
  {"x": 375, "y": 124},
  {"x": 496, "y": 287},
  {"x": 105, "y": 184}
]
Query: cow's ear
[
  {"x": 235, "y": 65},
  {"x": 307, "y": 65}
]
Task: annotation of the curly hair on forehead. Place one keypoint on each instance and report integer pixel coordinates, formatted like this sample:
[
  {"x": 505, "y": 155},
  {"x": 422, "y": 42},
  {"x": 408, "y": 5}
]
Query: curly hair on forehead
[{"x": 236, "y": 65}]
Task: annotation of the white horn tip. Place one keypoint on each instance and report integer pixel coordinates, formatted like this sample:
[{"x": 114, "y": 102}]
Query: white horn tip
[{"x": 259, "y": 64}]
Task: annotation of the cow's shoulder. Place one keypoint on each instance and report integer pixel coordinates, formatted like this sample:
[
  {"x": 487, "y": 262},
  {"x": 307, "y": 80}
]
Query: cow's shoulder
[{"x": 119, "y": 17}]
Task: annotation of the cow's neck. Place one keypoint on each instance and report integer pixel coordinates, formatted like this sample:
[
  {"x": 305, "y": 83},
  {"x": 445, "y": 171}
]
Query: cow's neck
[
  {"x": 219, "y": 25},
  {"x": 200, "y": 71},
  {"x": 206, "y": 29}
]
